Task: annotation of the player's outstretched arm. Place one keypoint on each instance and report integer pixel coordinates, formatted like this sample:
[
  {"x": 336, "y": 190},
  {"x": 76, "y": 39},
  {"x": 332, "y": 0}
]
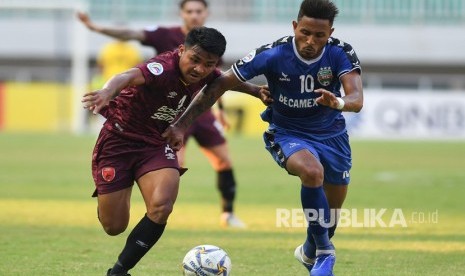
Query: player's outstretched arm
[
  {"x": 96, "y": 100},
  {"x": 118, "y": 33},
  {"x": 261, "y": 92},
  {"x": 248, "y": 88},
  {"x": 204, "y": 100},
  {"x": 353, "y": 99}
]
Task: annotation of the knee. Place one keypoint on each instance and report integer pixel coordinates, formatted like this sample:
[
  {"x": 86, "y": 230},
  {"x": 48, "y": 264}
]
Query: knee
[
  {"x": 115, "y": 228},
  {"x": 218, "y": 156},
  {"x": 222, "y": 163},
  {"x": 160, "y": 212},
  {"x": 312, "y": 176}
]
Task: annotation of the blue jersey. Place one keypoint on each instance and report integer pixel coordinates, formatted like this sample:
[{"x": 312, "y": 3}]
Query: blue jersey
[{"x": 292, "y": 81}]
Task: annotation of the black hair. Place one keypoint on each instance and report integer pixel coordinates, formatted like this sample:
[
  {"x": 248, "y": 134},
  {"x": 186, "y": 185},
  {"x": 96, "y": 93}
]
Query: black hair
[
  {"x": 209, "y": 39},
  {"x": 319, "y": 9},
  {"x": 183, "y": 2}
]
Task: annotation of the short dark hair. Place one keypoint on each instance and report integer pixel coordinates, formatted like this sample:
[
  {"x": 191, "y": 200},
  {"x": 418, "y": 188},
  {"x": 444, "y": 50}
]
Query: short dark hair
[
  {"x": 183, "y": 2},
  {"x": 320, "y": 9},
  {"x": 209, "y": 39}
]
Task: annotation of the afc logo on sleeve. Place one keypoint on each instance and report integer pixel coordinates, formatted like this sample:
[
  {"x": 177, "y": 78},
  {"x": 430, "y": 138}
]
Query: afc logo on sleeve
[
  {"x": 249, "y": 57},
  {"x": 155, "y": 68}
]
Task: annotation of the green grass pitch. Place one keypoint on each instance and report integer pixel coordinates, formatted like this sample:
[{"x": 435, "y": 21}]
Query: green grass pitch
[{"x": 48, "y": 223}]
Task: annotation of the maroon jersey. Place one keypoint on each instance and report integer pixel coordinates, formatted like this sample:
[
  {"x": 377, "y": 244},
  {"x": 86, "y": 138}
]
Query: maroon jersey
[
  {"x": 164, "y": 39},
  {"x": 143, "y": 112}
]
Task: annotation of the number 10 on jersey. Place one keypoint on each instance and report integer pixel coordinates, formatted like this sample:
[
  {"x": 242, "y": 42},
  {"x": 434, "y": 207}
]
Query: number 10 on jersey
[{"x": 307, "y": 83}]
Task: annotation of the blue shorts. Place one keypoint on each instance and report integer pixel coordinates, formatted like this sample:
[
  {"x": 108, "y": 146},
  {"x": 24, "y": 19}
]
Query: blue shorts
[{"x": 333, "y": 153}]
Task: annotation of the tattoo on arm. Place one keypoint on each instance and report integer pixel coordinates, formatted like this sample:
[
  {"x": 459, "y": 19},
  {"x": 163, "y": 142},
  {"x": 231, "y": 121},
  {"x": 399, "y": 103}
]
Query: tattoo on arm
[
  {"x": 199, "y": 105},
  {"x": 249, "y": 88},
  {"x": 206, "y": 98}
]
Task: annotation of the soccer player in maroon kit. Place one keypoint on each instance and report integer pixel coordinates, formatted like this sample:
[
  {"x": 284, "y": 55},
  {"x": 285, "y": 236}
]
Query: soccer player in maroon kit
[
  {"x": 139, "y": 104},
  {"x": 206, "y": 129}
]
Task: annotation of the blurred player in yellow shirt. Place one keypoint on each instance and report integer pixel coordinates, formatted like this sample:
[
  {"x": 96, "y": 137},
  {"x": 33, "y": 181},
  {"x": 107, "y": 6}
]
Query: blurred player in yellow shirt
[{"x": 116, "y": 57}]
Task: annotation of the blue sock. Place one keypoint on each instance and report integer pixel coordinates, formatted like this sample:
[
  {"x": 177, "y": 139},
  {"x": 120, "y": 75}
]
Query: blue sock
[
  {"x": 315, "y": 199},
  {"x": 331, "y": 231},
  {"x": 310, "y": 247}
]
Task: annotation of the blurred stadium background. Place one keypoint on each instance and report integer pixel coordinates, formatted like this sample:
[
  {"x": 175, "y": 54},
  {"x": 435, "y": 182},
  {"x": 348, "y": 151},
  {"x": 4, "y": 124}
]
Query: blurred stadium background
[{"x": 411, "y": 52}]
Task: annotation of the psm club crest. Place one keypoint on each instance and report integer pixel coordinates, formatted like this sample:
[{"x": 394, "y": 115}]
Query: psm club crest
[{"x": 108, "y": 174}]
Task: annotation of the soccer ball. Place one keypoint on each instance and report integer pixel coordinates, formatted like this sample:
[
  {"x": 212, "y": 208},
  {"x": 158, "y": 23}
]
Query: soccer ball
[{"x": 206, "y": 260}]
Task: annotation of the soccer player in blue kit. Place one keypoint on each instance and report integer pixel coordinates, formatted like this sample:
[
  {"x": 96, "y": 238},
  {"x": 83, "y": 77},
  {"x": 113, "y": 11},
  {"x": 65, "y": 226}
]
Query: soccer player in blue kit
[{"x": 307, "y": 134}]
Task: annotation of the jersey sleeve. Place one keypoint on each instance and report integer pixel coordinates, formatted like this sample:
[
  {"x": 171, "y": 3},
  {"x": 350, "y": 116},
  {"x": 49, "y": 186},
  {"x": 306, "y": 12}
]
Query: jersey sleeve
[
  {"x": 152, "y": 70},
  {"x": 253, "y": 64},
  {"x": 152, "y": 36},
  {"x": 347, "y": 59}
]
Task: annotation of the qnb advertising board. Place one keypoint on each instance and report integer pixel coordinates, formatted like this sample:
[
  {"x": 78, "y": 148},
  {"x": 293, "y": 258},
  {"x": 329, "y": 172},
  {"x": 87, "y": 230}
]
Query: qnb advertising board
[{"x": 398, "y": 114}]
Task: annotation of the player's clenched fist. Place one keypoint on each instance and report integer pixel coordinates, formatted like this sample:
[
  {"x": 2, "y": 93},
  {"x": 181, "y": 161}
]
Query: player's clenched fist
[{"x": 174, "y": 136}]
